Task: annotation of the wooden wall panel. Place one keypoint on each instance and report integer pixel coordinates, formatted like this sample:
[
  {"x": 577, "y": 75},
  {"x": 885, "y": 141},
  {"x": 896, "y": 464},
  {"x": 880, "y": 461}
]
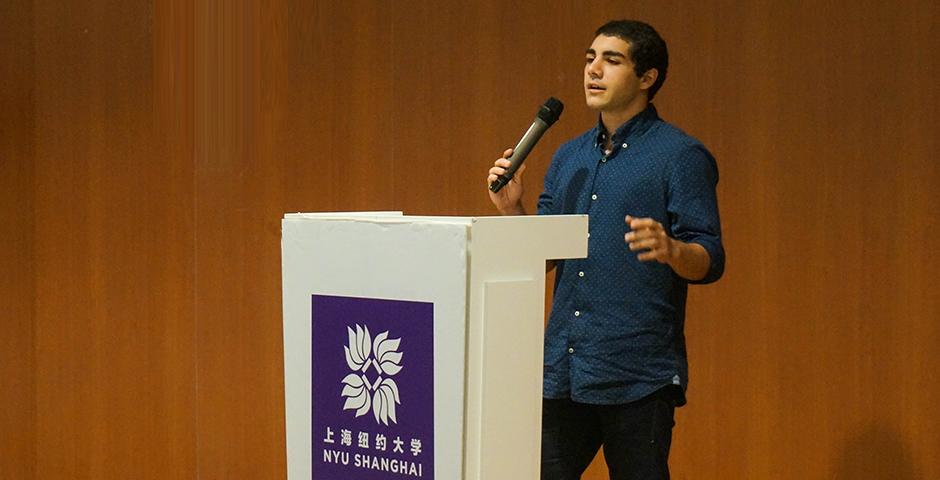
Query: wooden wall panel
[
  {"x": 240, "y": 398},
  {"x": 17, "y": 359},
  {"x": 155, "y": 147},
  {"x": 826, "y": 310},
  {"x": 114, "y": 323}
]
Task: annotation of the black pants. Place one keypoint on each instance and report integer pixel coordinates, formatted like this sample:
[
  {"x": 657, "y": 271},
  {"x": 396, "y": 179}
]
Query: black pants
[{"x": 635, "y": 436}]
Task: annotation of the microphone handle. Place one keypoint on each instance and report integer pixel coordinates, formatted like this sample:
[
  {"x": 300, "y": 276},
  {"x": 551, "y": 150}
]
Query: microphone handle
[{"x": 520, "y": 152}]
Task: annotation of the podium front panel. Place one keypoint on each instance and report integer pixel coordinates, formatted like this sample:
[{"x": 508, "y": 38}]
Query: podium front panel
[{"x": 374, "y": 345}]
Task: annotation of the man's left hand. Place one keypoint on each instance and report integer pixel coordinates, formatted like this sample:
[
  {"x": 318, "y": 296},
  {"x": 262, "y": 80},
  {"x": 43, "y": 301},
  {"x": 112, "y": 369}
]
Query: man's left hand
[{"x": 649, "y": 235}]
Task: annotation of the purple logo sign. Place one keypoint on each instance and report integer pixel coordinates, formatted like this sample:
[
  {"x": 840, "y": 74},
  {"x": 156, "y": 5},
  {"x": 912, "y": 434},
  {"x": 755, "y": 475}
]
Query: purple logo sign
[{"x": 373, "y": 388}]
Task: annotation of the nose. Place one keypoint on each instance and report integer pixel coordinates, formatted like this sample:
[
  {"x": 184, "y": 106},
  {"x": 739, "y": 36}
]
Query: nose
[{"x": 593, "y": 69}]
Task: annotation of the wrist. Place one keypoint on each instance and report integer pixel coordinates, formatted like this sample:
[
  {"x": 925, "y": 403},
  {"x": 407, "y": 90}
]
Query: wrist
[
  {"x": 678, "y": 257},
  {"x": 674, "y": 257},
  {"x": 689, "y": 260}
]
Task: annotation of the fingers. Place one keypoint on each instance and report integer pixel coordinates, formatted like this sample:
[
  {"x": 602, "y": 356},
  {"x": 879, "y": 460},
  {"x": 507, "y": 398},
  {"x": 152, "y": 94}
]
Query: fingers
[
  {"x": 660, "y": 256},
  {"x": 646, "y": 240},
  {"x": 493, "y": 173},
  {"x": 649, "y": 236},
  {"x": 497, "y": 171},
  {"x": 501, "y": 165},
  {"x": 654, "y": 248},
  {"x": 641, "y": 228},
  {"x": 643, "y": 234},
  {"x": 649, "y": 243},
  {"x": 642, "y": 223}
]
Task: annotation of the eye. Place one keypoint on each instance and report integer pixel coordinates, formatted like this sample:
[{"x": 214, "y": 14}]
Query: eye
[
  {"x": 612, "y": 61},
  {"x": 588, "y": 59}
]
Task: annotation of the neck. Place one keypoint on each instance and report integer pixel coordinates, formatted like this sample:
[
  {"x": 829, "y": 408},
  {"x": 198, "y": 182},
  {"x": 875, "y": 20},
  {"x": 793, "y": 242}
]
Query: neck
[{"x": 612, "y": 120}]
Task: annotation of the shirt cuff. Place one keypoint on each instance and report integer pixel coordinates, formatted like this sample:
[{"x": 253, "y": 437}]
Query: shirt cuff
[{"x": 716, "y": 255}]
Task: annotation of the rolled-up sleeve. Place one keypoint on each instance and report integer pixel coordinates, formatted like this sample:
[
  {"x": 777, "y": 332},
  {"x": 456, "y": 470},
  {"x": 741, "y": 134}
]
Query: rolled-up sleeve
[{"x": 693, "y": 206}]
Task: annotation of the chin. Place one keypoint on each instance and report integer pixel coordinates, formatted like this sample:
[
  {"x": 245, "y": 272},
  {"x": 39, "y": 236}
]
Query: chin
[{"x": 594, "y": 103}]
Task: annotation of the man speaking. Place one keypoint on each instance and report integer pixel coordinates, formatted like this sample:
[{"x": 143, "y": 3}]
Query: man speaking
[{"x": 615, "y": 356}]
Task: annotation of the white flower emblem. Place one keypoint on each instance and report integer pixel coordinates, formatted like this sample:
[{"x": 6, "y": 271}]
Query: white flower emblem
[
  {"x": 360, "y": 345},
  {"x": 381, "y": 354}
]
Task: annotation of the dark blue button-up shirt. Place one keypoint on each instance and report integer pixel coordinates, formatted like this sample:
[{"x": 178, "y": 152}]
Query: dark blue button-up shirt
[{"x": 615, "y": 333}]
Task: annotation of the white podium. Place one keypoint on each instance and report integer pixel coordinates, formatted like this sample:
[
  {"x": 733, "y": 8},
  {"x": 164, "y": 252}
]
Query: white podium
[{"x": 413, "y": 345}]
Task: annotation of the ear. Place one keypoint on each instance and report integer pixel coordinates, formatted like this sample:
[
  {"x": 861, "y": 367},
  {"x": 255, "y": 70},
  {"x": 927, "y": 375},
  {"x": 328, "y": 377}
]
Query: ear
[{"x": 648, "y": 79}]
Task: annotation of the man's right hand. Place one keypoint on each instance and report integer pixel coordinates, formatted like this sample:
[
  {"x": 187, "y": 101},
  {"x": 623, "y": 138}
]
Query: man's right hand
[{"x": 509, "y": 199}]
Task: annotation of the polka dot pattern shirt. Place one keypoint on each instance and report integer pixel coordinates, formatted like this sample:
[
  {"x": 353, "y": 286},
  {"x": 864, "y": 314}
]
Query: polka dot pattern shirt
[{"x": 615, "y": 332}]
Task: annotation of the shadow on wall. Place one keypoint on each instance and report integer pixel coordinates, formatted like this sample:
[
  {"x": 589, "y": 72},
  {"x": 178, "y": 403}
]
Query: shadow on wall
[{"x": 877, "y": 453}]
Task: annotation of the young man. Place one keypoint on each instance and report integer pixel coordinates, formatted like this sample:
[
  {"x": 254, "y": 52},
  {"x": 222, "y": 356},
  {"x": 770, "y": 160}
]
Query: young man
[{"x": 615, "y": 356}]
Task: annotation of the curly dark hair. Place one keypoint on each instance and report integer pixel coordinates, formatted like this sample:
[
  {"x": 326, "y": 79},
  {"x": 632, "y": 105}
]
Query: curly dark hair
[{"x": 647, "y": 48}]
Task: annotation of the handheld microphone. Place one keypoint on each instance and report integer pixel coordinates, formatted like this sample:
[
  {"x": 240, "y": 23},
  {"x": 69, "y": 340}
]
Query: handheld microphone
[{"x": 547, "y": 115}]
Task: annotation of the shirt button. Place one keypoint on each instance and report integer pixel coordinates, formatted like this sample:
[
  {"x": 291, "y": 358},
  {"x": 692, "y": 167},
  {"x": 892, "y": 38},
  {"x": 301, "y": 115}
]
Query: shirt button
[
  {"x": 580, "y": 274},
  {"x": 570, "y": 350},
  {"x": 604, "y": 160},
  {"x": 589, "y": 234},
  {"x": 594, "y": 197},
  {"x": 577, "y": 313},
  {"x": 625, "y": 145}
]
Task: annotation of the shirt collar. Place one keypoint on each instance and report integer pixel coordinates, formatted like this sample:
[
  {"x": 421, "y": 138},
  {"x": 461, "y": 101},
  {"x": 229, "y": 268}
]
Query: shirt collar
[{"x": 633, "y": 128}]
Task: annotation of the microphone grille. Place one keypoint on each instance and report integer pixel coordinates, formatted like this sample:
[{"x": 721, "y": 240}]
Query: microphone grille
[{"x": 551, "y": 110}]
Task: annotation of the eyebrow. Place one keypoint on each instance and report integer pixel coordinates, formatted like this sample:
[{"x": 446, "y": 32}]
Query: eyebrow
[{"x": 607, "y": 53}]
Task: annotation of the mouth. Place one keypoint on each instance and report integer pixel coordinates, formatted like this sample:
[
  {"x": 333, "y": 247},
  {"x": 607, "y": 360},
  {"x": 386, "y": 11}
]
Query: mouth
[{"x": 595, "y": 88}]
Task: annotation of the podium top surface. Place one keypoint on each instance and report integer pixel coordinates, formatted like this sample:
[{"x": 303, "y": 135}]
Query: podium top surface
[
  {"x": 554, "y": 236},
  {"x": 377, "y": 217},
  {"x": 399, "y": 217}
]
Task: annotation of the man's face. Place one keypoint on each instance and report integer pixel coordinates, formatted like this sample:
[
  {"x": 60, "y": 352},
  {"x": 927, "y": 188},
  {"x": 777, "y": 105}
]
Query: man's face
[{"x": 610, "y": 84}]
